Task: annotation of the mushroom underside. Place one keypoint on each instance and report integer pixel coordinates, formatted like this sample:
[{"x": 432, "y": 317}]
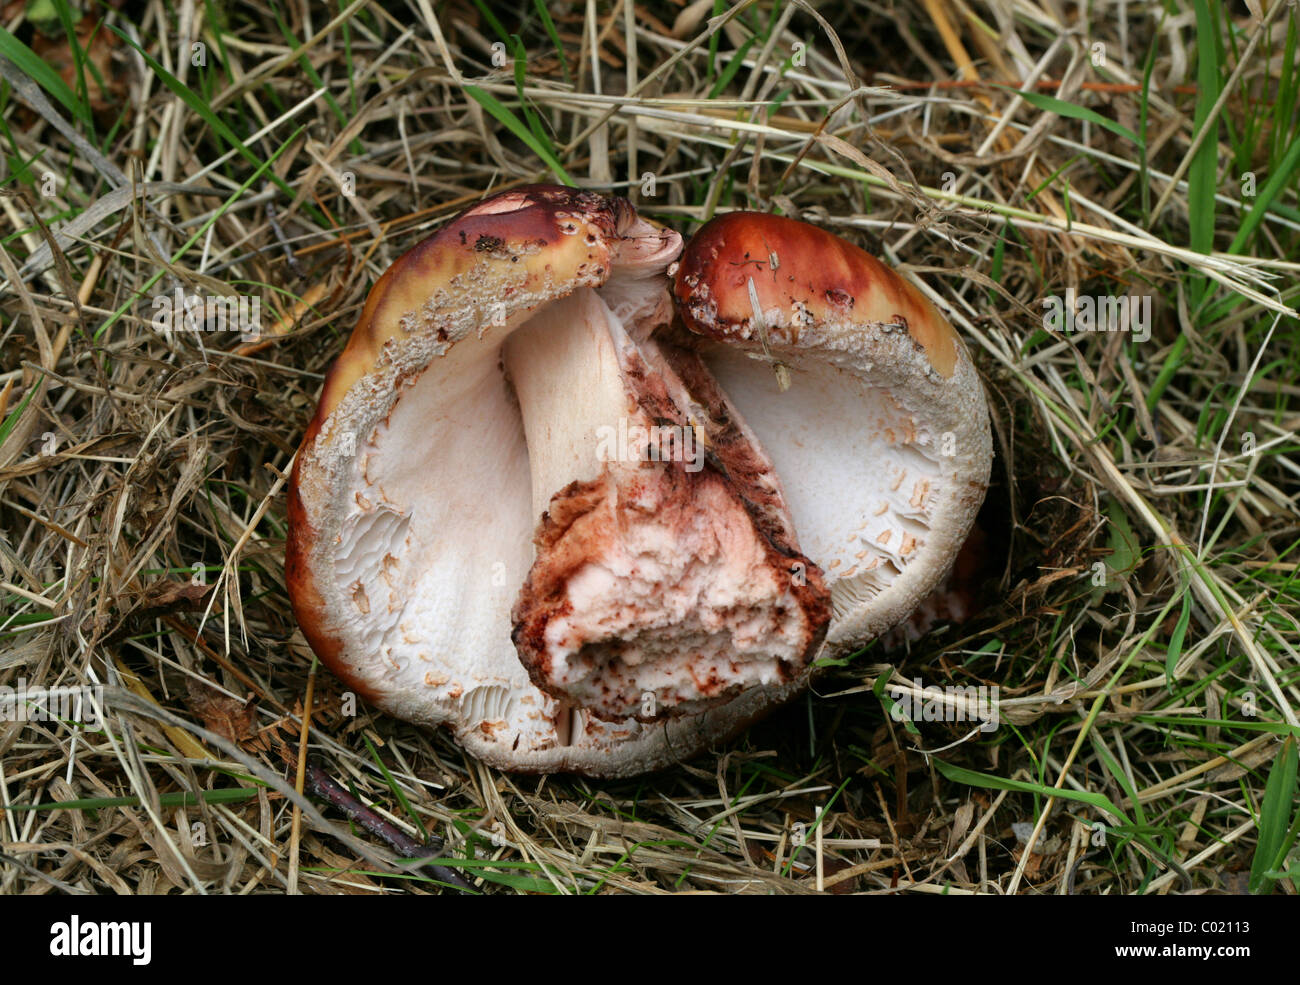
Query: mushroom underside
[{"x": 667, "y": 594}]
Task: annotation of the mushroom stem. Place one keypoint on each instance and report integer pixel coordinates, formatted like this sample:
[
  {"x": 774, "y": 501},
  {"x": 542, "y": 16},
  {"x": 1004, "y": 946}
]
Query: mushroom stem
[
  {"x": 570, "y": 388},
  {"x": 667, "y": 578}
]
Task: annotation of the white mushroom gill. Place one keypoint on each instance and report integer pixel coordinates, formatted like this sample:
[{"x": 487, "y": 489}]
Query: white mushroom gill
[{"x": 859, "y": 471}]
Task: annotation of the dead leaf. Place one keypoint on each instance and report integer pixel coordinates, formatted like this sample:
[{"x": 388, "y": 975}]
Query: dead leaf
[
  {"x": 228, "y": 717},
  {"x": 164, "y": 596},
  {"x": 97, "y": 45}
]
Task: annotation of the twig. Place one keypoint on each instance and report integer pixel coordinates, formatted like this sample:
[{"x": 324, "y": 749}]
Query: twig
[{"x": 321, "y": 784}]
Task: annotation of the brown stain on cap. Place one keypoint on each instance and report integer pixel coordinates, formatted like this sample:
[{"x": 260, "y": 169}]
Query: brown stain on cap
[
  {"x": 546, "y": 234},
  {"x": 817, "y": 278}
]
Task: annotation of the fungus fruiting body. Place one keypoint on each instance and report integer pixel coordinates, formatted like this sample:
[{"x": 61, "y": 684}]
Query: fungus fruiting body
[{"x": 594, "y": 502}]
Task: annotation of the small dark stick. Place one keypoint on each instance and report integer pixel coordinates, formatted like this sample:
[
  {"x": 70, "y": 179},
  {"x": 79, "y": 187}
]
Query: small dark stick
[
  {"x": 280, "y": 236},
  {"x": 322, "y": 785}
]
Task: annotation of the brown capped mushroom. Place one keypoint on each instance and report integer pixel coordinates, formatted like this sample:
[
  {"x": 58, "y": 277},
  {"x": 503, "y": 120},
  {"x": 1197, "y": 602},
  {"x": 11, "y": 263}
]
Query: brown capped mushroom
[
  {"x": 503, "y": 387},
  {"x": 514, "y": 410},
  {"x": 874, "y": 416}
]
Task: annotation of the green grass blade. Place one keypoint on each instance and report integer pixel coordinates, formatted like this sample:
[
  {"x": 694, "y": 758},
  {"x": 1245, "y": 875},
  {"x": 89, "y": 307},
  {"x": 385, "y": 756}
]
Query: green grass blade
[
  {"x": 492, "y": 21},
  {"x": 186, "y": 798},
  {"x": 44, "y": 76},
  {"x": 731, "y": 68},
  {"x": 879, "y": 689},
  {"x": 397, "y": 791},
  {"x": 554, "y": 35},
  {"x": 1144, "y": 117},
  {"x": 80, "y": 60},
  {"x": 521, "y": 79},
  {"x": 511, "y": 123},
  {"x": 1285, "y": 104},
  {"x": 196, "y": 103},
  {"x": 972, "y": 779},
  {"x": 312, "y": 75},
  {"x": 1120, "y": 777},
  {"x": 1281, "y": 177},
  {"x": 8, "y": 423},
  {"x": 1202, "y": 173},
  {"x": 198, "y": 234},
  {"x": 1176, "y": 641},
  {"x": 1274, "y": 812},
  {"x": 1060, "y": 107}
]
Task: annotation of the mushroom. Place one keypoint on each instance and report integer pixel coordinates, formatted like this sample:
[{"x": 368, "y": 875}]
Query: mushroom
[
  {"x": 882, "y": 438},
  {"x": 535, "y": 508}
]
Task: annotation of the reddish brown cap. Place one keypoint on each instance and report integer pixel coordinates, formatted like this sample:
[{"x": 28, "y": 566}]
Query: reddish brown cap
[
  {"x": 876, "y": 420},
  {"x": 805, "y": 275}
]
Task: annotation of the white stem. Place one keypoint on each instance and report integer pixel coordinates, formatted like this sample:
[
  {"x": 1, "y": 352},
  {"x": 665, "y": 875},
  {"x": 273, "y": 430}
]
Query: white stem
[{"x": 566, "y": 374}]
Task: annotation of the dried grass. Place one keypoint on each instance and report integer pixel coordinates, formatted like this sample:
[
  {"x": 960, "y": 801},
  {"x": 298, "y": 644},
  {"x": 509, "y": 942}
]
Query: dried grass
[{"x": 142, "y": 473}]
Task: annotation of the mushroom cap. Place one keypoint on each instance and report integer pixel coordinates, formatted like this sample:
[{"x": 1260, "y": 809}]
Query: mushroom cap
[
  {"x": 882, "y": 440},
  {"x": 410, "y": 525},
  {"x": 819, "y": 278}
]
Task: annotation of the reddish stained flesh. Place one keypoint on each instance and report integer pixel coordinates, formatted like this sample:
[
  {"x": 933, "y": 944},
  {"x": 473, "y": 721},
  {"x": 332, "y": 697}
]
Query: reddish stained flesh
[
  {"x": 728, "y": 520},
  {"x": 746, "y": 466}
]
